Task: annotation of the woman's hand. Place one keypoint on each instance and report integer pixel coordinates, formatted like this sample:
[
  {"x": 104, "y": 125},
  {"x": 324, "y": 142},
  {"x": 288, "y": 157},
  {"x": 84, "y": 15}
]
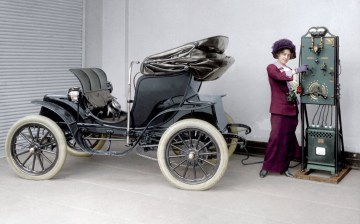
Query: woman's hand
[{"x": 302, "y": 68}]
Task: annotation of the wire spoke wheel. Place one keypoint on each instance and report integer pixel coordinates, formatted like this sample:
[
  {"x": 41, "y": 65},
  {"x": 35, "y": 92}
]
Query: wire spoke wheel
[
  {"x": 35, "y": 148},
  {"x": 192, "y": 154},
  {"x": 192, "y": 165}
]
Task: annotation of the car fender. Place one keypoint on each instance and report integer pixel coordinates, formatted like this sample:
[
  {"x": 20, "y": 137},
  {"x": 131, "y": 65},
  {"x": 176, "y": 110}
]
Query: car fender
[
  {"x": 69, "y": 119},
  {"x": 216, "y": 110}
]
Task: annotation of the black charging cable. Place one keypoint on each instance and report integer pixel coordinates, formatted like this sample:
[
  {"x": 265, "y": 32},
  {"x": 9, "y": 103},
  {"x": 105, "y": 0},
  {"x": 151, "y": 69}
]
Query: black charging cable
[
  {"x": 257, "y": 162},
  {"x": 247, "y": 157}
]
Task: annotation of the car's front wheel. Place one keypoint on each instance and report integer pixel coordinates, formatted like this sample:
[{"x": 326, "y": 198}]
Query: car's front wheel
[
  {"x": 192, "y": 154},
  {"x": 36, "y": 148}
]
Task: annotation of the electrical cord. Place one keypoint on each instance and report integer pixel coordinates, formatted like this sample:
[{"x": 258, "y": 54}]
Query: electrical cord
[
  {"x": 327, "y": 115},
  {"x": 323, "y": 117},
  {"x": 321, "y": 110},
  {"x": 257, "y": 162},
  {"x": 247, "y": 157},
  {"x": 331, "y": 116},
  {"x": 312, "y": 122}
]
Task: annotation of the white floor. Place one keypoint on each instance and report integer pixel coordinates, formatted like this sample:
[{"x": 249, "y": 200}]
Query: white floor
[{"x": 132, "y": 190}]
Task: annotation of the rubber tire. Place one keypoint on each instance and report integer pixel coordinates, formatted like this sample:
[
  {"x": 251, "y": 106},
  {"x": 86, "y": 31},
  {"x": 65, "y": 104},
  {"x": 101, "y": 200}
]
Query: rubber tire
[
  {"x": 78, "y": 153},
  {"x": 58, "y": 135},
  {"x": 233, "y": 130},
  {"x": 210, "y": 130}
]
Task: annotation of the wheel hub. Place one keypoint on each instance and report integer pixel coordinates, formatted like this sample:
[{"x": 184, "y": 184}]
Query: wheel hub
[
  {"x": 192, "y": 155},
  {"x": 193, "y": 150},
  {"x": 35, "y": 148},
  {"x": 32, "y": 150}
]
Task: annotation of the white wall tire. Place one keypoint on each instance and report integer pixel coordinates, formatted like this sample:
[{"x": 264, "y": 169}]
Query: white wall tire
[
  {"x": 75, "y": 150},
  {"x": 203, "y": 159},
  {"x": 233, "y": 130},
  {"x": 35, "y": 148}
]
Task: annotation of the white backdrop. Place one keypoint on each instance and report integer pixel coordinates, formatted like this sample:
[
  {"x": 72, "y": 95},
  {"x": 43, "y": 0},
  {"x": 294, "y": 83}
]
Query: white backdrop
[{"x": 132, "y": 30}]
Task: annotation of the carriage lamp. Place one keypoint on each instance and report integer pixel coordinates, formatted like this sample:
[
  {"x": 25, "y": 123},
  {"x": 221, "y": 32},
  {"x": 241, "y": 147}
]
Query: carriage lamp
[{"x": 73, "y": 94}]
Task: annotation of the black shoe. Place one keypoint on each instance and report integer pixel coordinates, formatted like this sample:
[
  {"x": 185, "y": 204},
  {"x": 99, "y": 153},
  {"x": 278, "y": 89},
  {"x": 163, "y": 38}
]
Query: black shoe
[
  {"x": 288, "y": 174},
  {"x": 263, "y": 173}
]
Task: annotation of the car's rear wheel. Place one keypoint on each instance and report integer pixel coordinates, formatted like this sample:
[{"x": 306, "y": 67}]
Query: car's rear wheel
[
  {"x": 36, "y": 148},
  {"x": 232, "y": 142},
  {"x": 75, "y": 150},
  {"x": 203, "y": 156}
]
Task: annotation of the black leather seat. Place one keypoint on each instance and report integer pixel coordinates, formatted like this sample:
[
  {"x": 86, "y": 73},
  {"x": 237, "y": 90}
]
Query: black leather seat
[{"x": 152, "y": 91}]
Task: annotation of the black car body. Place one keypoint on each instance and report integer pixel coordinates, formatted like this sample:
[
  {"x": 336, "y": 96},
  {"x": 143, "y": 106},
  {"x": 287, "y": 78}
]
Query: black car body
[{"x": 190, "y": 132}]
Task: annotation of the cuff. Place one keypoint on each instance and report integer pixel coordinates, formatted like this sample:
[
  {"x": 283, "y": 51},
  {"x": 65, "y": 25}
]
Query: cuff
[{"x": 289, "y": 73}]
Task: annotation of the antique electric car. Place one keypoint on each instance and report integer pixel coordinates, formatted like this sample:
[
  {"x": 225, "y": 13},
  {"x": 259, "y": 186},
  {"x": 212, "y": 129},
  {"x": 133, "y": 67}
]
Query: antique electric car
[{"x": 190, "y": 133}]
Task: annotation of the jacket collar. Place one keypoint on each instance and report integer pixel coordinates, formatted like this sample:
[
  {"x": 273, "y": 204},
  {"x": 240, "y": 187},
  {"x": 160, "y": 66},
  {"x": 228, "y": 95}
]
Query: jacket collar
[{"x": 278, "y": 65}]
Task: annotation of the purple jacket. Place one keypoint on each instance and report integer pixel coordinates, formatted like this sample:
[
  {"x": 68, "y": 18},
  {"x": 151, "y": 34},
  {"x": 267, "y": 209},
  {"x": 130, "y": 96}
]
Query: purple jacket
[{"x": 279, "y": 90}]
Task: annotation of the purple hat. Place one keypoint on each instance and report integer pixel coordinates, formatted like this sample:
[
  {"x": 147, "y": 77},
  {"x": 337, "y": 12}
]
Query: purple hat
[{"x": 284, "y": 44}]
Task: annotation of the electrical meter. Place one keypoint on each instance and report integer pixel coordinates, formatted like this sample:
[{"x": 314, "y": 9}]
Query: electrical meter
[{"x": 319, "y": 50}]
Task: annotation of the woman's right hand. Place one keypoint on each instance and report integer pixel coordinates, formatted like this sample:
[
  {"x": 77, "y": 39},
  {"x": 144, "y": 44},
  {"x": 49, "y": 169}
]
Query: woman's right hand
[{"x": 302, "y": 68}]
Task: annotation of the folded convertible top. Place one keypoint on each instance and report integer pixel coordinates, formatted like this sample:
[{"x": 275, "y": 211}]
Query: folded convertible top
[{"x": 205, "y": 59}]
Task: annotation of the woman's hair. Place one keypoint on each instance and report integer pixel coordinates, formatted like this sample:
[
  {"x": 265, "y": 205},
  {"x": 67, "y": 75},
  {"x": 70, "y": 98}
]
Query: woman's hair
[{"x": 281, "y": 45}]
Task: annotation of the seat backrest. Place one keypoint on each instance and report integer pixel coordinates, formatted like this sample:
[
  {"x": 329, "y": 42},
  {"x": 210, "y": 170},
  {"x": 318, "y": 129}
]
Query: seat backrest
[
  {"x": 83, "y": 79},
  {"x": 94, "y": 84},
  {"x": 153, "y": 90},
  {"x": 91, "y": 79},
  {"x": 94, "y": 79},
  {"x": 102, "y": 77}
]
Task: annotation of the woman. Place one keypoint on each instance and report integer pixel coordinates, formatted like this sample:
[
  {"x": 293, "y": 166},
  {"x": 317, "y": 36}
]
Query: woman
[{"x": 282, "y": 146}]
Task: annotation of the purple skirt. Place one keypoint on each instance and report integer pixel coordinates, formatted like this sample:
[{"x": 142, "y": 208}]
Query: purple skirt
[{"x": 282, "y": 146}]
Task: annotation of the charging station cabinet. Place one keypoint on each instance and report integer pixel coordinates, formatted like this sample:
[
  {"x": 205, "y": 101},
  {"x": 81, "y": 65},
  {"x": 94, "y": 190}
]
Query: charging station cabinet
[
  {"x": 322, "y": 140},
  {"x": 321, "y": 149}
]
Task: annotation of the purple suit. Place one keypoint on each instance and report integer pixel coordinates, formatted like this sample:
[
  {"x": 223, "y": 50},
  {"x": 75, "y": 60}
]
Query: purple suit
[
  {"x": 282, "y": 146},
  {"x": 279, "y": 90}
]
